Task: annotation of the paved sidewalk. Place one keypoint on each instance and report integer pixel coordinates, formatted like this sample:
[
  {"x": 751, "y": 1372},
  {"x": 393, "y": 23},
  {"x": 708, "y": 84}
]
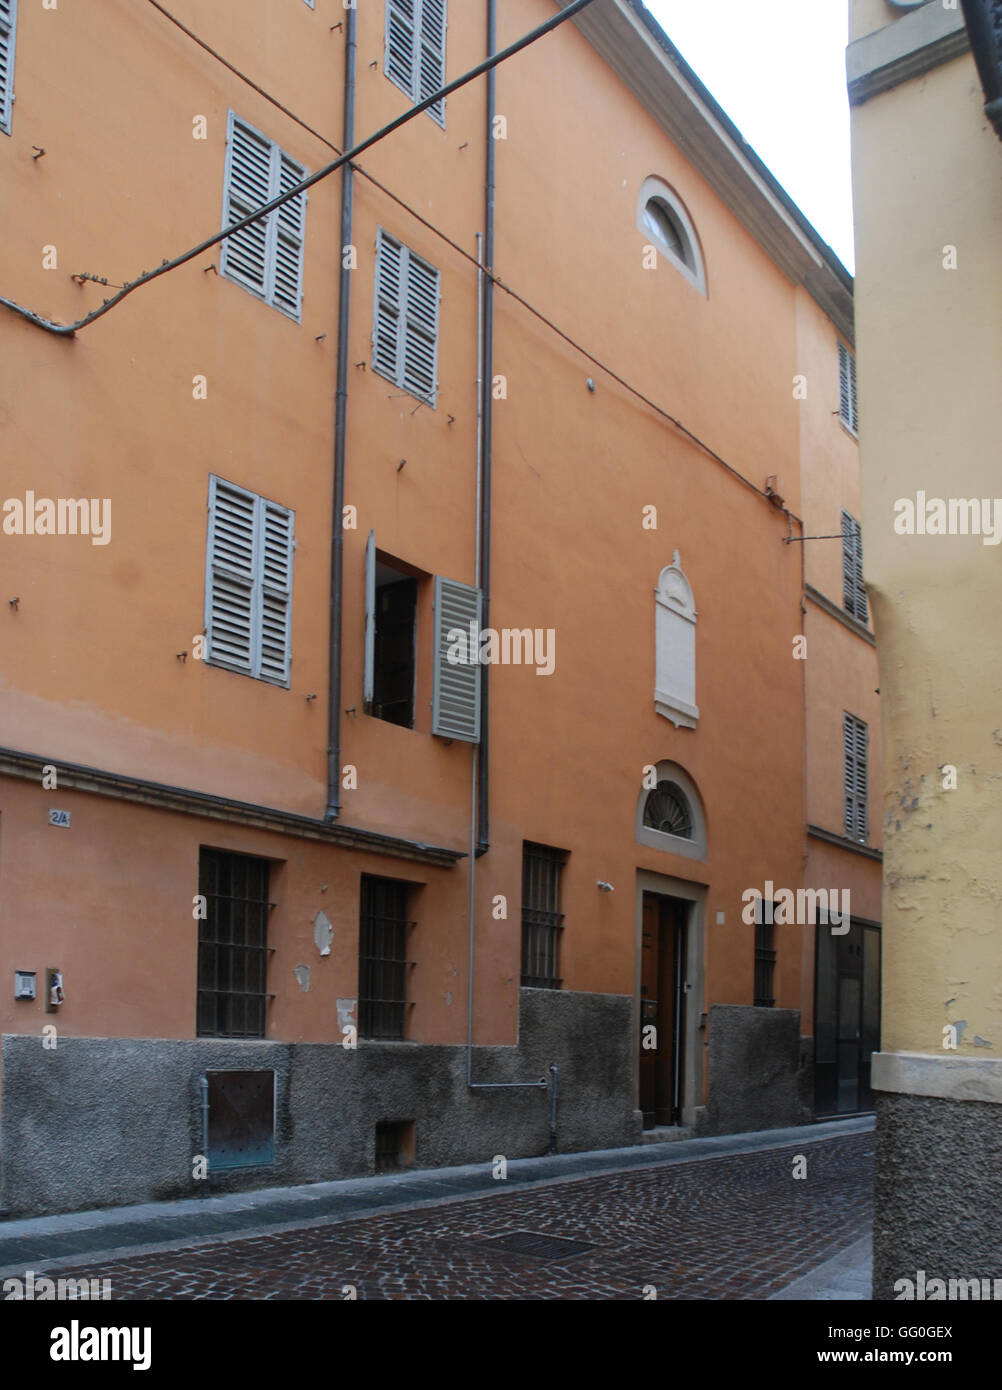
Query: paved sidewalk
[
  {"x": 846, "y": 1278},
  {"x": 126, "y": 1232}
]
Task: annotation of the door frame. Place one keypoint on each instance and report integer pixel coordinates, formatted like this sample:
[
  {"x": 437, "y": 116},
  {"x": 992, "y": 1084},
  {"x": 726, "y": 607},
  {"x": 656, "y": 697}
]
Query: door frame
[{"x": 693, "y": 896}]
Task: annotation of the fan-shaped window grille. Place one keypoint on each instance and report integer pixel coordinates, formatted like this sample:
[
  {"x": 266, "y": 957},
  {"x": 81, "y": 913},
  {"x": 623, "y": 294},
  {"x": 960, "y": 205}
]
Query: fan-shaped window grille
[{"x": 667, "y": 810}]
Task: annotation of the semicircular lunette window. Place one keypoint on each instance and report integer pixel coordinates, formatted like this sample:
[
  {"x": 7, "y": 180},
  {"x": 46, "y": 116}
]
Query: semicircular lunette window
[
  {"x": 667, "y": 810},
  {"x": 662, "y": 225}
]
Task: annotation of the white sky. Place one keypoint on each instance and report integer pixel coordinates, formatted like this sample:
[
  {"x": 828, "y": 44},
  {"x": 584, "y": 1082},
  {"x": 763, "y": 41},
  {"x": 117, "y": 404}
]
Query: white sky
[{"x": 777, "y": 67}]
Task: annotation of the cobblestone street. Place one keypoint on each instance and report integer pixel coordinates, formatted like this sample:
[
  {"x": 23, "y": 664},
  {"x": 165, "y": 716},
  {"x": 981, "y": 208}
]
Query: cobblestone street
[{"x": 734, "y": 1227}]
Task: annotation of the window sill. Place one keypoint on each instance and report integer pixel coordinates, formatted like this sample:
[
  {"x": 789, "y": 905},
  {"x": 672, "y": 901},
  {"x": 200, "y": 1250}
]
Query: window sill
[{"x": 681, "y": 714}]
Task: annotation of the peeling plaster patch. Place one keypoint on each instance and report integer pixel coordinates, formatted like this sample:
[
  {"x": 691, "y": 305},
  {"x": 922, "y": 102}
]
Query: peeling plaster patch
[
  {"x": 345, "y": 1013},
  {"x": 323, "y": 933},
  {"x": 448, "y": 996},
  {"x": 997, "y": 735},
  {"x": 981, "y": 1042},
  {"x": 950, "y": 1001},
  {"x": 302, "y": 974},
  {"x": 960, "y": 1025}
]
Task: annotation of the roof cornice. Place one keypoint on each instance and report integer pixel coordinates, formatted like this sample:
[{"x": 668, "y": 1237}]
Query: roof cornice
[
  {"x": 635, "y": 47},
  {"x": 984, "y": 24}
]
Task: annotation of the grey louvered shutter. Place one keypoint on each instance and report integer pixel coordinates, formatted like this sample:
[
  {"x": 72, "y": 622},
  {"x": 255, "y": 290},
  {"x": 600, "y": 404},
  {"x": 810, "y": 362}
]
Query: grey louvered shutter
[
  {"x": 290, "y": 219},
  {"x": 853, "y": 587},
  {"x": 8, "y": 28},
  {"x": 244, "y": 256},
  {"x": 369, "y": 672},
  {"x": 860, "y": 733},
  {"x": 431, "y": 58},
  {"x": 229, "y": 604},
  {"x": 854, "y": 754},
  {"x": 420, "y": 347},
  {"x": 274, "y": 571},
  {"x": 456, "y": 687},
  {"x": 847, "y": 410},
  {"x": 389, "y": 292},
  {"x": 400, "y": 43}
]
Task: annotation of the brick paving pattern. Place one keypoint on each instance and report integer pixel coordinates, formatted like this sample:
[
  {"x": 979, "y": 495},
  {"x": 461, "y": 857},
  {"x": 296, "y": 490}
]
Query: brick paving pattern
[{"x": 738, "y": 1227}]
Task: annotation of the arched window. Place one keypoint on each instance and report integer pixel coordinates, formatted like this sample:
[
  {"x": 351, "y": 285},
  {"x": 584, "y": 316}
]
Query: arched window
[
  {"x": 667, "y": 809},
  {"x": 663, "y": 219},
  {"x": 670, "y": 813},
  {"x": 675, "y": 647}
]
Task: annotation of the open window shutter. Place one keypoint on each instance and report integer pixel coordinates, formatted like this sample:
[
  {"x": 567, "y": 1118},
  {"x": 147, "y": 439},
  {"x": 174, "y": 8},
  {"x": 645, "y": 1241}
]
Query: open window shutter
[
  {"x": 275, "y": 572},
  {"x": 248, "y": 185},
  {"x": 456, "y": 688},
  {"x": 431, "y": 59},
  {"x": 848, "y": 776},
  {"x": 230, "y": 600},
  {"x": 8, "y": 21},
  {"x": 853, "y": 405},
  {"x": 421, "y": 333},
  {"x": 289, "y": 228},
  {"x": 369, "y": 674},
  {"x": 389, "y": 290}
]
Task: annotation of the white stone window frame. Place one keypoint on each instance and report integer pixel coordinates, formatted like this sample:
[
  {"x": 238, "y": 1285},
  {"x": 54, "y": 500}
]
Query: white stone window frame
[
  {"x": 674, "y": 595},
  {"x": 657, "y": 190},
  {"x": 692, "y": 847}
]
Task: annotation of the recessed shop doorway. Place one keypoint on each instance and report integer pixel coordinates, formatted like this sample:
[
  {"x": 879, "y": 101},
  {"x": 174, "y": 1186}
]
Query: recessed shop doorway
[{"x": 662, "y": 1008}]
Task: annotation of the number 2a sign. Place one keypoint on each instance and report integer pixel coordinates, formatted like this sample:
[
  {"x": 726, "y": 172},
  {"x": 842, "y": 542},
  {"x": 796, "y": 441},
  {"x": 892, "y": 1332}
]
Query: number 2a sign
[{"x": 61, "y": 818}]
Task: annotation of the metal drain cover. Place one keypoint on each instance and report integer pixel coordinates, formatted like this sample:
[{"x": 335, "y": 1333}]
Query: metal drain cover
[{"x": 541, "y": 1247}]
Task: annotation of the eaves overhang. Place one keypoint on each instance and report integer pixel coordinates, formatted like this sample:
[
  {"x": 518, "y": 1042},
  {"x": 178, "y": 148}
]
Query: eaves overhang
[
  {"x": 984, "y": 25},
  {"x": 634, "y": 46}
]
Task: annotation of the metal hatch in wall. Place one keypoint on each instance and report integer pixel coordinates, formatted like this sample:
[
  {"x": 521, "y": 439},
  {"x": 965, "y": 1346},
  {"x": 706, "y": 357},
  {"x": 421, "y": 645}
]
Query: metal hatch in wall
[{"x": 239, "y": 1119}]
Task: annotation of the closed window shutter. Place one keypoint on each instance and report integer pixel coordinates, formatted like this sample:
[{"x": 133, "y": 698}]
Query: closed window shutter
[
  {"x": 854, "y": 753},
  {"x": 421, "y": 334},
  {"x": 456, "y": 687},
  {"x": 848, "y": 412},
  {"x": 249, "y": 601},
  {"x": 265, "y": 256},
  {"x": 400, "y": 24},
  {"x": 853, "y": 588},
  {"x": 230, "y": 601},
  {"x": 248, "y": 185},
  {"x": 8, "y": 25},
  {"x": 405, "y": 329},
  {"x": 275, "y": 571},
  {"x": 389, "y": 293},
  {"x": 289, "y": 227},
  {"x": 415, "y": 49},
  {"x": 431, "y": 60}
]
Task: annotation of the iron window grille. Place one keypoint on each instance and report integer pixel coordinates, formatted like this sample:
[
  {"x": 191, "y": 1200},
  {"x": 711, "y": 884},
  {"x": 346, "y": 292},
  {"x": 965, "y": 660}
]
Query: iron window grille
[
  {"x": 233, "y": 945},
  {"x": 765, "y": 958},
  {"x": 854, "y": 749},
  {"x": 542, "y": 920},
  {"x": 667, "y": 809},
  {"x": 853, "y": 587},
  {"x": 382, "y": 958}
]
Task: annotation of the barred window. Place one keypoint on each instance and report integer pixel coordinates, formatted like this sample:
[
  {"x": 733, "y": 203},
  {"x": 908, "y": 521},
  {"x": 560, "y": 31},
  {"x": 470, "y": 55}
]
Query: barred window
[
  {"x": 382, "y": 958},
  {"x": 232, "y": 945},
  {"x": 542, "y": 920},
  {"x": 765, "y": 956}
]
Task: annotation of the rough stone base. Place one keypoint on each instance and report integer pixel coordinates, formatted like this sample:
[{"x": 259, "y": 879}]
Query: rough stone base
[
  {"x": 108, "y": 1121},
  {"x": 759, "y": 1076},
  {"x": 938, "y": 1191}
]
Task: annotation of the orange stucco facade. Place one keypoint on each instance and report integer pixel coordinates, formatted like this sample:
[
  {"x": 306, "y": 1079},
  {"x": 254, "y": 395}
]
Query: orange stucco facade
[{"x": 100, "y": 667}]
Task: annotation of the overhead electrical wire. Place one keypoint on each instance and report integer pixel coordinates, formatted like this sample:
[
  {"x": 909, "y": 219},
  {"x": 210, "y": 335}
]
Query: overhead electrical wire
[
  {"x": 342, "y": 159},
  {"x": 67, "y": 330}
]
